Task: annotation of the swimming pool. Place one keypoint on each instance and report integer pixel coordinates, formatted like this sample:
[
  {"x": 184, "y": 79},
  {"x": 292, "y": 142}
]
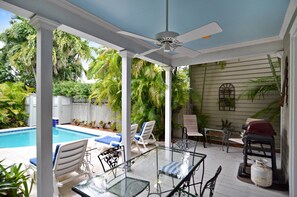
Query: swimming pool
[{"x": 27, "y": 137}]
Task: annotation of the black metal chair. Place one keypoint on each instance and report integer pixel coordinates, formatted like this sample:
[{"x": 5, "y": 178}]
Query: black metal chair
[
  {"x": 111, "y": 158},
  {"x": 210, "y": 184},
  {"x": 172, "y": 169}
]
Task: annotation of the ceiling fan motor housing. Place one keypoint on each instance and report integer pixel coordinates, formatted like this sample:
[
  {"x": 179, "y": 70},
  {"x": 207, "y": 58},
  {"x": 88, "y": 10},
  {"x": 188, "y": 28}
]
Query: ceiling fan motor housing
[{"x": 167, "y": 36}]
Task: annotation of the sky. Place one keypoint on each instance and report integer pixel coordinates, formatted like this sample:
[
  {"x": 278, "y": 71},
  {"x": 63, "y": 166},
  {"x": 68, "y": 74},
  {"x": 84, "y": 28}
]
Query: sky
[{"x": 5, "y": 17}]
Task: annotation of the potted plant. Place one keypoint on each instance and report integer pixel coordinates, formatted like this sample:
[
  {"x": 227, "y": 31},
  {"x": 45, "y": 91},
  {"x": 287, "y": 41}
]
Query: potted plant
[
  {"x": 113, "y": 126},
  {"x": 102, "y": 124}
]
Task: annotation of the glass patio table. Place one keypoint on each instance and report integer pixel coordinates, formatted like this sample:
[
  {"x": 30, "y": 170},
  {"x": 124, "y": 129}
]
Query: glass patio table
[{"x": 140, "y": 176}]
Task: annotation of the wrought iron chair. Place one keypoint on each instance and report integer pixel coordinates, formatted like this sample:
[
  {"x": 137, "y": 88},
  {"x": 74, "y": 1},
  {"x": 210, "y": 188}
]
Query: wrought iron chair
[
  {"x": 211, "y": 183},
  {"x": 173, "y": 169},
  {"x": 110, "y": 158}
]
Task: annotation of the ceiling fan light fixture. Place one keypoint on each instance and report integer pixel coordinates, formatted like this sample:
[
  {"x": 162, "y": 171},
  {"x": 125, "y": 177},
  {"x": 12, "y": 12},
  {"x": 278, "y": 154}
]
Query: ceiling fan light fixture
[{"x": 167, "y": 47}]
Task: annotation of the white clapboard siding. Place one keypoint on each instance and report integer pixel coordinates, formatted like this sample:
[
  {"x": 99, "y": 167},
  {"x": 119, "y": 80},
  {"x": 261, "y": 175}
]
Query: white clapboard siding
[{"x": 238, "y": 72}]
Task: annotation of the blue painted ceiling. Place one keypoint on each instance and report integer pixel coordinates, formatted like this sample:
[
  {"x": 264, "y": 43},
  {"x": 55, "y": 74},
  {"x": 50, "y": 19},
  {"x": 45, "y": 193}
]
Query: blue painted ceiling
[{"x": 241, "y": 20}]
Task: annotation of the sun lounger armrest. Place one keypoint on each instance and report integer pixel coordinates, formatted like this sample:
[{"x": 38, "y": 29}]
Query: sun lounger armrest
[
  {"x": 114, "y": 143},
  {"x": 137, "y": 136}
]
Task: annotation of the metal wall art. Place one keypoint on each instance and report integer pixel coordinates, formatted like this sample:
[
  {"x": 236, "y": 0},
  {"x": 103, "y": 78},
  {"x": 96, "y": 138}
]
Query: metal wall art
[{"x": 227, "y": 97}]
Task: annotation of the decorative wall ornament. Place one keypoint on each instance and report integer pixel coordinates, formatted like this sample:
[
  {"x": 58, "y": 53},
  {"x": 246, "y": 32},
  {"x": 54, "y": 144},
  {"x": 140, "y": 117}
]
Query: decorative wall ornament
[
  {"x": 227, "y": 97},
  {"x": 284, "y": 93}
]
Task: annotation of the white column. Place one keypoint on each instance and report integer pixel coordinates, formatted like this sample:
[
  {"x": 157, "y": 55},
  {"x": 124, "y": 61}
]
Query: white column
[
  {"x": 168, "y": 116},
  {"x": 44, "y": 80},
  {"x": 126, "y": 101},
  {"x": 293, "y": 111}
]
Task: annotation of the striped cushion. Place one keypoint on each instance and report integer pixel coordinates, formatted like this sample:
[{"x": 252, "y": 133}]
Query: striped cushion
[{"x": 172, "y": 169}]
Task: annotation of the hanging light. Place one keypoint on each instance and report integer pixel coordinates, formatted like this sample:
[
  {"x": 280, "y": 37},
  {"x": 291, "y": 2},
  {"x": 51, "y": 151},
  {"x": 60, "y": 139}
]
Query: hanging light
[{"x": 167, "y": 47}]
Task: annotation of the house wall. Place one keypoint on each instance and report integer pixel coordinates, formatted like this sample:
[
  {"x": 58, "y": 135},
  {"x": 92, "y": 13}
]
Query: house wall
[{"x": 238, "y": 72}]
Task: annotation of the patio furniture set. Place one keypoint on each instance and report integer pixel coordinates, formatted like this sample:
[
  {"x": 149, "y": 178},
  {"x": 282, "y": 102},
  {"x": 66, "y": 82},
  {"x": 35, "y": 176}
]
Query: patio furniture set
[{"x": 161, "y": 171}]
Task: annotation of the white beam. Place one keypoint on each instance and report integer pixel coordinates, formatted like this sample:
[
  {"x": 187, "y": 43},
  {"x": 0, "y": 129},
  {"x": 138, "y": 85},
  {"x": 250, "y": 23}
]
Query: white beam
[
  {"x": 126, "y": 101},
  {"x": 78, "y": 22},
  {"x": 168, "y": 116},
  {"x": 44, "y": 80}
]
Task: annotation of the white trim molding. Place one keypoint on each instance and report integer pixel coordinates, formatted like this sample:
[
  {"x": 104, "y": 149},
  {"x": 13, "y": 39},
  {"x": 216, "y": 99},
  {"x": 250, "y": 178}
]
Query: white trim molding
[
  {"x": 293, "y": 111},
  {"x": 289, "y": 14}
]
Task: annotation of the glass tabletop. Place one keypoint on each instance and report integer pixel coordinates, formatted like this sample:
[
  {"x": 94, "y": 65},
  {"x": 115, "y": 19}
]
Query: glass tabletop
[{"x": 142, "y": 177}]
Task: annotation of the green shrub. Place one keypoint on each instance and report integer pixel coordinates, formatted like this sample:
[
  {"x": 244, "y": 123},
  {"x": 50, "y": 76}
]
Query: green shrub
[
  {"x": 14, "y": 181},
  {"x": 12, "y": 104},
  {"x": 76, "y": 90}
]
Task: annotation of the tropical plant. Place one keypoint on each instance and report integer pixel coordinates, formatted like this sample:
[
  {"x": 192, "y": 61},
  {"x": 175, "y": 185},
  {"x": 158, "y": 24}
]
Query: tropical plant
[
  {"x": 147, "y": 87},
  {"x": 18, "y": 54},
  {"x": 14, "y": 181},
  {"x": 106, "y": 70},
  {"x": 226, "y": 124},
  {"x": 12, "y": 104},
  {"x": 261, "y": 86}
]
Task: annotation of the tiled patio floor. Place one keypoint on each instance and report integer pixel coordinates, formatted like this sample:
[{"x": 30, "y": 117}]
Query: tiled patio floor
[{"x": 227, "y": 183}]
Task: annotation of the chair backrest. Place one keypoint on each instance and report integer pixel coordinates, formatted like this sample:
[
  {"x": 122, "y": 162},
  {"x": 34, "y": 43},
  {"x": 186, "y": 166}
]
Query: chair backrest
[
  {"x": 211, "y": 183},
  {"x": 110, "y": 157},
  {"x": 69, "y": 157},
  {"x": 190, "y": 122},
  {"x": 133, "y": 131},
  {"x": 147, "y": 129}
]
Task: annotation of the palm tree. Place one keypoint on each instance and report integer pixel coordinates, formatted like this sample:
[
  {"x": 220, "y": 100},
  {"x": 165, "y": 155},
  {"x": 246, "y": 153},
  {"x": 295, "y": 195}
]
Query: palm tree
[
  {"x": 147, "y": 84},
  {"x": 19, "y": 52},
  {"x": 262, "y": 86}
]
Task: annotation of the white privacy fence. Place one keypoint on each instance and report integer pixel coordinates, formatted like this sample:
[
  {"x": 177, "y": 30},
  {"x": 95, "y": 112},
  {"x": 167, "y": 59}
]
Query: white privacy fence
[{"x": 65, "y": 111}]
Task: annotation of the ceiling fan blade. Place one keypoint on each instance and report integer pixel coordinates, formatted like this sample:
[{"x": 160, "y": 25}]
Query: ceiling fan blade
[
  {"x": 186, "y": 52},
  {"x": 137, "y": 36},
  {"x": 147, "y": 52},
  {"x": 206, "y": 30}
]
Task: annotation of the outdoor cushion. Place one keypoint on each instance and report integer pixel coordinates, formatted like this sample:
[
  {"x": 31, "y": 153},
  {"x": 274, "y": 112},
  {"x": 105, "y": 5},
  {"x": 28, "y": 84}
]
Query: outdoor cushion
[
  {"x": 109, "y": 139},
  {"x": 172, "y": 169},
  {"x": 34, "y": 160},
  {"x": 141, "y": 130}
]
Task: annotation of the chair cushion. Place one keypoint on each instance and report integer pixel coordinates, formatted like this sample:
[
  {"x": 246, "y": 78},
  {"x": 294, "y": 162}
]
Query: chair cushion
[
  {"x": 109, "y": 139},
  {"x": 172, "y": 169},
  {"x": 141, "y": 130},
  {"x": 34, "y": 160}
]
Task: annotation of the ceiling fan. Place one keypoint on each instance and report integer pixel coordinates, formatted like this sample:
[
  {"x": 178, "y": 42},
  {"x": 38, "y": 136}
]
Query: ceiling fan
[{"x": 173, "y": 41}]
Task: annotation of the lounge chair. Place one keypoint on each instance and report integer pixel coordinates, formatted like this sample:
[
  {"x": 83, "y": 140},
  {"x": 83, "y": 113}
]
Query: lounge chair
[
  {"x": 68, "y": 158},
  {"x": 146, "y": 136},
  {"x": 116, "y": 141},
  {"x": 190, "y": 128}
]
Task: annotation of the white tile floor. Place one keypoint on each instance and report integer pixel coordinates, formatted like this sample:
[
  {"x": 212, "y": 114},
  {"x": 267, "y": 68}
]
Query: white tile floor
[{"x": 227, "y": 183}]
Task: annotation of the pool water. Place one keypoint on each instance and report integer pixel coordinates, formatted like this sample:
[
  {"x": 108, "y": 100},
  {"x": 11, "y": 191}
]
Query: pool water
[{"x": 27, "y": 137}]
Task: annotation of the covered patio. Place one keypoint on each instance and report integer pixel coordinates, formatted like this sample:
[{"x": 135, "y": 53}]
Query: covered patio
[{"x": 241, "y": 29}]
